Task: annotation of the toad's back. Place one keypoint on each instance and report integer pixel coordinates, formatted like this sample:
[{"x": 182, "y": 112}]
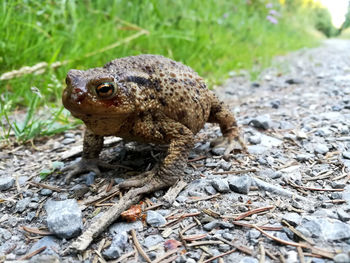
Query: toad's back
[{"x": 158, "y": 84}]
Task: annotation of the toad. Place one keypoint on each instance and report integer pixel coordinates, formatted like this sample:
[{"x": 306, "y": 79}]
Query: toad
[{"x": 149, "y": 99}]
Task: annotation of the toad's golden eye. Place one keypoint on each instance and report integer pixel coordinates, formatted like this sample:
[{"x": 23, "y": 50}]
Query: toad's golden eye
[{"x": 105, "y": 90}]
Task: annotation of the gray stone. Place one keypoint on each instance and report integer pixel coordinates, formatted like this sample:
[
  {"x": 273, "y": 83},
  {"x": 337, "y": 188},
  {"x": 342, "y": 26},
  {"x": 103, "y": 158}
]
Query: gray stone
[
  {"x": 255, "y": 139},
  {"x": 210, "y": 190},
  {"x": 253, "y": 235},
  {"x": 343, "y": 216},
  {"x": 327, "y": 229},
  {"x": 293, "y": 219},
  {"x": 46, "y": 192},
  {"x": 64, "y": 218},
  {"x": 346, "y": 194},
  {"x": 218, "y": 151},
  {"x": 117, "y": 247},
  {"x": 221, "y": 185},
  {"x": 240, "y": 184},
  {"x": 152, "y": 240},
  {"x": 21, "y": 205},
  {"x": 68, "y": 141},
  {"x": 341, "y": 258},
  {"x": 4, "y": 235},
  {"x": 42, "y": 258},
  {"x": 321, "y": 148},
  {"x": 224, "y": 247},
  {"x": 346, "y": 155},
  {"x": 261, "y": 122},
  {"x": 303, "y": 157},
  {"x": 6, "y": 182},
  {"x": 155, "y": 219},
  {"x": 256, "y": 149},
  {"x": 248, "y": 260},
  {"x": 120, "y": 227},
  {"x": 51, "y": 243},
  {"x": 217, "y": 224},
  {"x": 228, "y": 236},
  {"x": 225, "y": 165}
]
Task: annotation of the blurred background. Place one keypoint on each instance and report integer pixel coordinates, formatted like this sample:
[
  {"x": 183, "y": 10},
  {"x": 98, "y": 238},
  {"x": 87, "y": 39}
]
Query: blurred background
[{"x": 41, "y": 40}]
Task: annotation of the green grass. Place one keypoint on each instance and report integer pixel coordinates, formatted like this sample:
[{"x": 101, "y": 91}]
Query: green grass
[{"x": 213, "y": 37}]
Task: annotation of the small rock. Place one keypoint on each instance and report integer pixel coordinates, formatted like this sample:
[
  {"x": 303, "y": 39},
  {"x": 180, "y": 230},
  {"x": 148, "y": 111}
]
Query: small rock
[
  {"x": 120, "y": 227},
  {"x": 210, "y": 190},
  {"x": 292, "y": 257},
  {"x": 248, "y": 260},
  {"x": 240, "y": 184},
  {"x": 303, "y": 157},
  {"x": 293, "y": 219},
  {"x": 224, "y": 247},
  {"x": 253, "y": 235},
  {"x": 64, "y": 218},
  {"x": 152, "y": 240},
  {"x": 261, "y": 122},
  {"x": 228, "y": 236},
  {"x": 321, "y": 148},
  {"x": 155, "y": 219},
  {"x": 6, "y": 182},
  {"x": 217, "y": 224},
  {"x": 341, "y": 258},
  {"x": 68, "y": 141},
  {"x": 46, "y": 192},
  {"x": 218, "y": 151},
  {"x": 255, "y": 139},
  {"x": 294, "y": 81},
  {"x": 4, "y": 235},
  {"x": 343, "y": 216},
  {"x": 51, "y": 243},
  {"x": 117, "y": 247},
  {"x": 221, "y": 185},
  {"x": 22, "y": 204},
  {"x": 346, "y": 155}
]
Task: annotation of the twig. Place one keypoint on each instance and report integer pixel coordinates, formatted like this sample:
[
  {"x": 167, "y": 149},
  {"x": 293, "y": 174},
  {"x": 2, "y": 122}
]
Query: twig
[
  {"x": 193, "y": 237},
  {"x": 132, "y": 197},
  {"x": 298, "y": 233},
  {"x": 53, "y": 188},
  {"x": 197, "y": 158},
  {"x": 315, "y": 189},
  {"x": 219, "y": 256},
  {"x": 101, "y": 197},
  {"x": 241, "y": 248},
  {"x": 301, "y": 255},
  {"x": 188, "y": 228},
  {"x": 269, "y": 228},
  {"x": 36, "y": 231},
  {"x": 35, "y": 252},
  {"x": 202, "y": 198},
  {"x": 237, "y": 171},
  {"x": 165, "y": 255},
  {"x": 278, "y": 239},
  {"x": 202, "y": 243},
  {"x": 173, "y": 192},
  {"x": 253, "y": 211},
  {"x": 138, "y": 246},
  {"x": 262, "y": 252}
]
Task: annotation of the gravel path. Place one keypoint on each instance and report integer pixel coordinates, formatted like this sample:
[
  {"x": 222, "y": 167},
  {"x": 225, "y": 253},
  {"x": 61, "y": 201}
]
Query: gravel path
[{"x": 288, "y": 200}]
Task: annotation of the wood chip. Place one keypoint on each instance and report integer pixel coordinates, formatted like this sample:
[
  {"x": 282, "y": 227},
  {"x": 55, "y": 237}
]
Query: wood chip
[{"x": 138, "y": 246}]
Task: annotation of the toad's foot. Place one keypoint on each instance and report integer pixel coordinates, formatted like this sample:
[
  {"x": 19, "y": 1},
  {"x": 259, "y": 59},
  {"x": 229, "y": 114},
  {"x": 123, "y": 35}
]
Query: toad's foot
[
  {"x": 147, "y": 182},
  {"x": 229, "y": 143},
  {"x": 87, "y": 165}
]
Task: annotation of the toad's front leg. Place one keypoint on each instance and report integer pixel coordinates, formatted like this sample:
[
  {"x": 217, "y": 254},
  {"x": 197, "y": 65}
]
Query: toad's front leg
[
  {"x": 89, "y": 162},
  {"x": 180, "y": 139}
]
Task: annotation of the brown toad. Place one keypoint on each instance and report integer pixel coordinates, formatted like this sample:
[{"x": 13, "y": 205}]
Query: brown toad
[{"x": 145, "y": 98}]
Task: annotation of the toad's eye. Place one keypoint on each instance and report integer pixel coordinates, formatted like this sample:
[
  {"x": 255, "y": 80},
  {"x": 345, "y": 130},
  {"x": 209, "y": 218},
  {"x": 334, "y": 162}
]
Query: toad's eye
[{"x": 105, "y": 90}]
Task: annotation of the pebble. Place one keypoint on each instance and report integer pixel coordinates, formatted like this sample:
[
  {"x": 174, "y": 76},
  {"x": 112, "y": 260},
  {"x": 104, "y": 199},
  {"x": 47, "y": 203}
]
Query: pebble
[
  {"x": 346, "y": 155},
  {"x": 51, "y": 243},
  {"x": 341, "y": 258},
  {"x": 253, "y": 236},
  {"x": 6, "y": 182},
  {"x": 293, "y": 219},
  {"x": 68, "y": 141},
  {"x": 120, "y": 227},
  {"x": 255, "y": 139},
  {"x": 248, "y": 260},
  {"x": 303, "y": 157},
  {"x": 217, "y": 224},
  {"x": 343, "y": 216},
  {"x": 22, "y": 204},
  {"x": 117, "y": 247},
  {"x": 155, "y": 219},
  {"x": 321, "y": 148},
  {"x": 152, "y": 240},
  {"x": 4, "y": 234},
  {"x": 46, "y": 192},
  {"x": 64, "y": 218},
  {"x": 218, "y": 151},
  {"x": 240, "y": 184},
  {"x": 261, "y": 122},
  {"x": 221, "y": 185},
  {"x": 210, "y": 190}
]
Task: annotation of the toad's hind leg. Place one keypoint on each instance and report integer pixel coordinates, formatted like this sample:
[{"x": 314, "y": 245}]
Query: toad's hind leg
[{"x": 220, "y": 114}]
